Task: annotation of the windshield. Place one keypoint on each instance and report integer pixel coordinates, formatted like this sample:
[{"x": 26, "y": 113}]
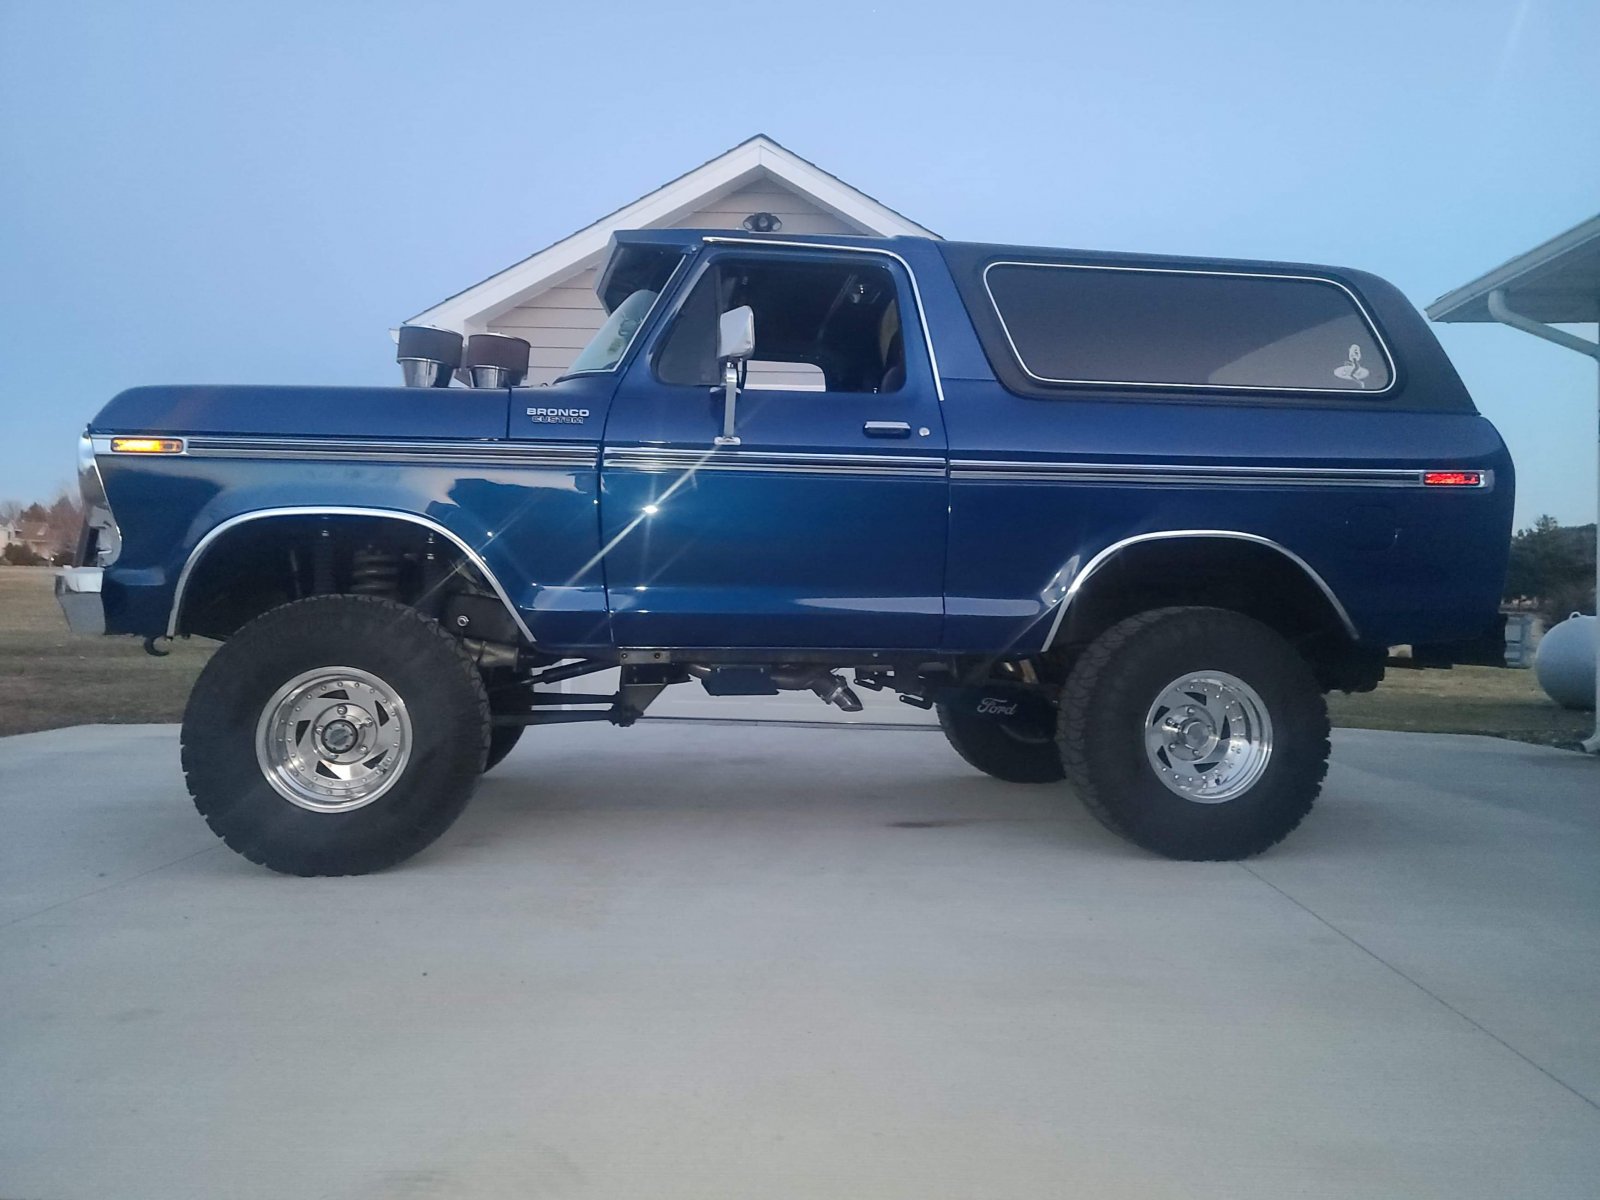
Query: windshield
[{"x": 611, "y": 340}]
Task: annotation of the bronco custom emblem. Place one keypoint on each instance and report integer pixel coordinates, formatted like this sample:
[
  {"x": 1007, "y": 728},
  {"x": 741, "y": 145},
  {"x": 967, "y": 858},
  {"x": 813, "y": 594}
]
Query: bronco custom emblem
[{"x": 558, "y": 416}]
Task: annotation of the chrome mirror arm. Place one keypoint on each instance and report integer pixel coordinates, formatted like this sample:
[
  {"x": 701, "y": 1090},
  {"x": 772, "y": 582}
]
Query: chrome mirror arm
[{"x": 730, "y": 400}]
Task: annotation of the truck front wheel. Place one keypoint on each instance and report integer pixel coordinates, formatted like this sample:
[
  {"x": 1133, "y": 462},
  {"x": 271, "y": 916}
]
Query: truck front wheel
[
  {"x": 1196, "y": 733},
  {"x": 335, "y": 736}
]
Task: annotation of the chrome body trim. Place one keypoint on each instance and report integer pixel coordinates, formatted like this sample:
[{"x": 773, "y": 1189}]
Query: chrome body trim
[
  {"x": 766, "y": 461},
  {"x": 1100, "y": 559},
  {"x": 259, "y": 514},
  {"x": 911, "y": 275},
  {"x": 1366, "y": 317},
  {"x": 97, "y": 514},
  {"x": 480, "y": 453},
  {"x": 1173, "y": 473}
]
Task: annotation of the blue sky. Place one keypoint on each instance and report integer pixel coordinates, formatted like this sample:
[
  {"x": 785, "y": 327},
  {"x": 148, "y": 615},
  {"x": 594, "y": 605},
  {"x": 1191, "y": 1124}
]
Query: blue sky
[{"x": 257, "y": 192}]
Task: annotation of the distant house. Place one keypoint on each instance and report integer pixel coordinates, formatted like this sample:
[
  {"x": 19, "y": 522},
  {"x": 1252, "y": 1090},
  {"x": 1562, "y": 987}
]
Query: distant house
[
  {"x": 548, "y": 298},
  {"x": 8, "y": 534},
  {"x": 36, "y": 536}
]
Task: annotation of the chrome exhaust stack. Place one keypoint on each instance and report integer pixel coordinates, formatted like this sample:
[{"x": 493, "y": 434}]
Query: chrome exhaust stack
[
  {"x": 427, "y": 356},
  {"x": 496, "y": 360}
]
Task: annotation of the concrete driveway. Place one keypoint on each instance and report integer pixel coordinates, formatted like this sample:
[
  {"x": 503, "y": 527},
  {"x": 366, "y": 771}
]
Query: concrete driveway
[{"x": 708, "y": 961}]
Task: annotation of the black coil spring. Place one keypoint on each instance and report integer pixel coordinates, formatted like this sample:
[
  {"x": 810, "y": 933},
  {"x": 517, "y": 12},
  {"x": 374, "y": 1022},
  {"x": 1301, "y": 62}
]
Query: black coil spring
[{"x": 374, "y": 572}]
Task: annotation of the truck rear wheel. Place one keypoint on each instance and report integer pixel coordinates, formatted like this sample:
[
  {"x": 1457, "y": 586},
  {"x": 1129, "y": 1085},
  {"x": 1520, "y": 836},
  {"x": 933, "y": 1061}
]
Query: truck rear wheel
[
  {"x": 337, "y": 735},
  {"x": 1196, "y": 733},
  {"x": 1006, "y": 750}
]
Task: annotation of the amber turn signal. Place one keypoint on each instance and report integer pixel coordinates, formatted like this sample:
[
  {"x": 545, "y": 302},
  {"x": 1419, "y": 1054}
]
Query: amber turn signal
[{"x": 146, "y": 445}]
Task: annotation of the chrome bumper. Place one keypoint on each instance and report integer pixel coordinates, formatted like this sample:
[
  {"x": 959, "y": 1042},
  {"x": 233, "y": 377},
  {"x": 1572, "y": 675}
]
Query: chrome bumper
[{"x": 78, "y": 593}]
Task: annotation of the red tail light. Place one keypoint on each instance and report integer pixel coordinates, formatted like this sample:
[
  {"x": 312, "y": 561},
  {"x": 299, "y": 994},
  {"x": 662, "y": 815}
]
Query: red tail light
[{"x": 1452, "y": 478}]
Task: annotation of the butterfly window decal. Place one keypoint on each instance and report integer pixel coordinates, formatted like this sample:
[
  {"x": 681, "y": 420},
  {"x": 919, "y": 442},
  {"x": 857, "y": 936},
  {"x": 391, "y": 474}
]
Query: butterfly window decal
[{"x": 1353, "y": 370}]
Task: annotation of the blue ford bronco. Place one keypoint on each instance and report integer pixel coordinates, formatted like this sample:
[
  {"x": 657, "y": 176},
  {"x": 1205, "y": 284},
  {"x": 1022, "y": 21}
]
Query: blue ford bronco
[{"x": 1121, "y": 520}]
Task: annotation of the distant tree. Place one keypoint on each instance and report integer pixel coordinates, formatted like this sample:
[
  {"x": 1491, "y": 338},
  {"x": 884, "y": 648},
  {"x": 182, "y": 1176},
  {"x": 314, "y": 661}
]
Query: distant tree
[
  {"x": 1553, "y": 567},
  {"x": 10, "y": 510},
  {"x": 18, "y": 555},
  {"x": 64, "y": 520}
]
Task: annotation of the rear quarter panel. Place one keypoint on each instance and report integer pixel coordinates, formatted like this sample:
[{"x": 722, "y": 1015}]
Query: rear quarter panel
[{"x": 1409, "y": 564}]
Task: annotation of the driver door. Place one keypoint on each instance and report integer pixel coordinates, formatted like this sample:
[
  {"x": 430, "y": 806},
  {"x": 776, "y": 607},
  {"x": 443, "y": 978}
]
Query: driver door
[{"x": 825, "y": 525}]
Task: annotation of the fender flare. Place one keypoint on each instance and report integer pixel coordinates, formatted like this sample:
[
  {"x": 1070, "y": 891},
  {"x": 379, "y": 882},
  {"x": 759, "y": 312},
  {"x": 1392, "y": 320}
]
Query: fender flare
[
  {"x": 394, "y": 514},
  {"x": 1080, "y": 577}
]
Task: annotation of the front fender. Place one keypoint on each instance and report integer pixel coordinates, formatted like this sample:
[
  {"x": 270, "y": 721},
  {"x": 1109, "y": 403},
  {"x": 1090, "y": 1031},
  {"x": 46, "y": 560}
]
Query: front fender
[{"x": 528, "y": 526}]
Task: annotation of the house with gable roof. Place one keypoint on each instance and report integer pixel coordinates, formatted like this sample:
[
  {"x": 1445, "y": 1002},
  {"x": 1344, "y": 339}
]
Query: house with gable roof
[{"x": 548, "y": 298}]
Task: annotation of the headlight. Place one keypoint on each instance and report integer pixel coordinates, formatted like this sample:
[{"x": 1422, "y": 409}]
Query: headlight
[{"x": 102, "y": 540}]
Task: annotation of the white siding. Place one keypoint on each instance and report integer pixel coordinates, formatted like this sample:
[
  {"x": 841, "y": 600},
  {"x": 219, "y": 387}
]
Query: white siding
[
  {"x": 559, "y": 321},
  {"x": 798, "y": 214}
]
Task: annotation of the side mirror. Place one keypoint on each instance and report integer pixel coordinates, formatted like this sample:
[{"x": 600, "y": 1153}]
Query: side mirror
[
  {"x": 736, "y": 333},
  {"x": 736, "y": 341}
]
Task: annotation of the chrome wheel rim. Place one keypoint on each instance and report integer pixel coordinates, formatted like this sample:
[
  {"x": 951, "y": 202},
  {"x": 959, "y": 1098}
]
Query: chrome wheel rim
[
  {"x": 1208, "y": 737},
  {"x": 333, "y": 739}
]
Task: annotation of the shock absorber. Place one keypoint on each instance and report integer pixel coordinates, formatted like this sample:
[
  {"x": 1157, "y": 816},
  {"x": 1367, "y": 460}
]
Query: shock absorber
[{"x": 375, "y": 572}]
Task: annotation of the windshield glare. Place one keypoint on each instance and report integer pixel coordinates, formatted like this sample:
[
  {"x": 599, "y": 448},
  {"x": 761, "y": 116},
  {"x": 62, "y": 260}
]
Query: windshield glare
[{"x": 611, "y": 340}]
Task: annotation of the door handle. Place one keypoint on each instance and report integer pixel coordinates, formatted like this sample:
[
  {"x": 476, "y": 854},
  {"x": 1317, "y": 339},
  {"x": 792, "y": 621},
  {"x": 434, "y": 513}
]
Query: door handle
[{"x": 887, "y": 429}]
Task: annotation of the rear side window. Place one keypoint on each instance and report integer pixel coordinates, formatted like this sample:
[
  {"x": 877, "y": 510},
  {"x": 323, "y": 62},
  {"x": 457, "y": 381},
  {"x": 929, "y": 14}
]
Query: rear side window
[{"x": 1186, "y": 329}]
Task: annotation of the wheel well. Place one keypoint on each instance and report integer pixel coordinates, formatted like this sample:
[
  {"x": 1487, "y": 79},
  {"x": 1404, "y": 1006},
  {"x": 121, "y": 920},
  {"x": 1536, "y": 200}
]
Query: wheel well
[
  {"x": 263, "y": 563},
  {"x": 1245, "y": 577}
]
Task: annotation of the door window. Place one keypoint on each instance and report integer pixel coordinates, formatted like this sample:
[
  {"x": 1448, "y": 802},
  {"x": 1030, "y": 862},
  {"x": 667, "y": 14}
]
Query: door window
[{"x": 833, "y": 323}]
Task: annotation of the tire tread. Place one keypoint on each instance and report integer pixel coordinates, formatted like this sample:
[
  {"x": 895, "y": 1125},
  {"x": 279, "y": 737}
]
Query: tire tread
[
  {"x": 463, "y": 683},
  {"x": 1092, "y": 683}
]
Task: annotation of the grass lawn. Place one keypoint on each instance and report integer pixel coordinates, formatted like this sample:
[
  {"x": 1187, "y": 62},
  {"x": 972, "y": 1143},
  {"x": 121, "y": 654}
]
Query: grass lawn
[{"x": 49, "y": 678}]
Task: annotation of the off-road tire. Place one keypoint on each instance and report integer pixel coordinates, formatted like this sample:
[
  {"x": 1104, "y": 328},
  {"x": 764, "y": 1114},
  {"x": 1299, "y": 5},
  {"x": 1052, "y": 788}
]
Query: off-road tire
[
  {"x": 444, "y": 697},
  {"x": 997, "y": 749},
  {"x": 1110, "y": 691},
  {"x": 503, "y": 740}
]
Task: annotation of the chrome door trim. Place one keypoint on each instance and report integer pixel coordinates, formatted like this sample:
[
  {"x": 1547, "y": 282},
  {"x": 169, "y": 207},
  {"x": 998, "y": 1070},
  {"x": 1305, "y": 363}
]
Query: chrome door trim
[
  {"x": 664, "y": 458},
  {"x": 916, "y": 292},
  {"x": 217, "y": 531},
  {"x": 1366, "y": 317},
  {"x": 1100, "y": 559}
]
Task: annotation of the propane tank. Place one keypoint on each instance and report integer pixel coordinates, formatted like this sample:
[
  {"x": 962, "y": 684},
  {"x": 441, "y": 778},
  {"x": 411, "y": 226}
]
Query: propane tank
[{"x": 1565, "y": 662}]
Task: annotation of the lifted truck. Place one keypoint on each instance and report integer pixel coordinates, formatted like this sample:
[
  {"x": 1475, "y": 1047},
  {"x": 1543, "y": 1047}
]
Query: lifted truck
[{"x": 1121, "y": 520}]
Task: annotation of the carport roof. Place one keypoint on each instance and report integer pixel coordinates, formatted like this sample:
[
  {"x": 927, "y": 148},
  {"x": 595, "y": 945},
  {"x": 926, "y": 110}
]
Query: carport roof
[{"x": 1558, "y": 283}]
